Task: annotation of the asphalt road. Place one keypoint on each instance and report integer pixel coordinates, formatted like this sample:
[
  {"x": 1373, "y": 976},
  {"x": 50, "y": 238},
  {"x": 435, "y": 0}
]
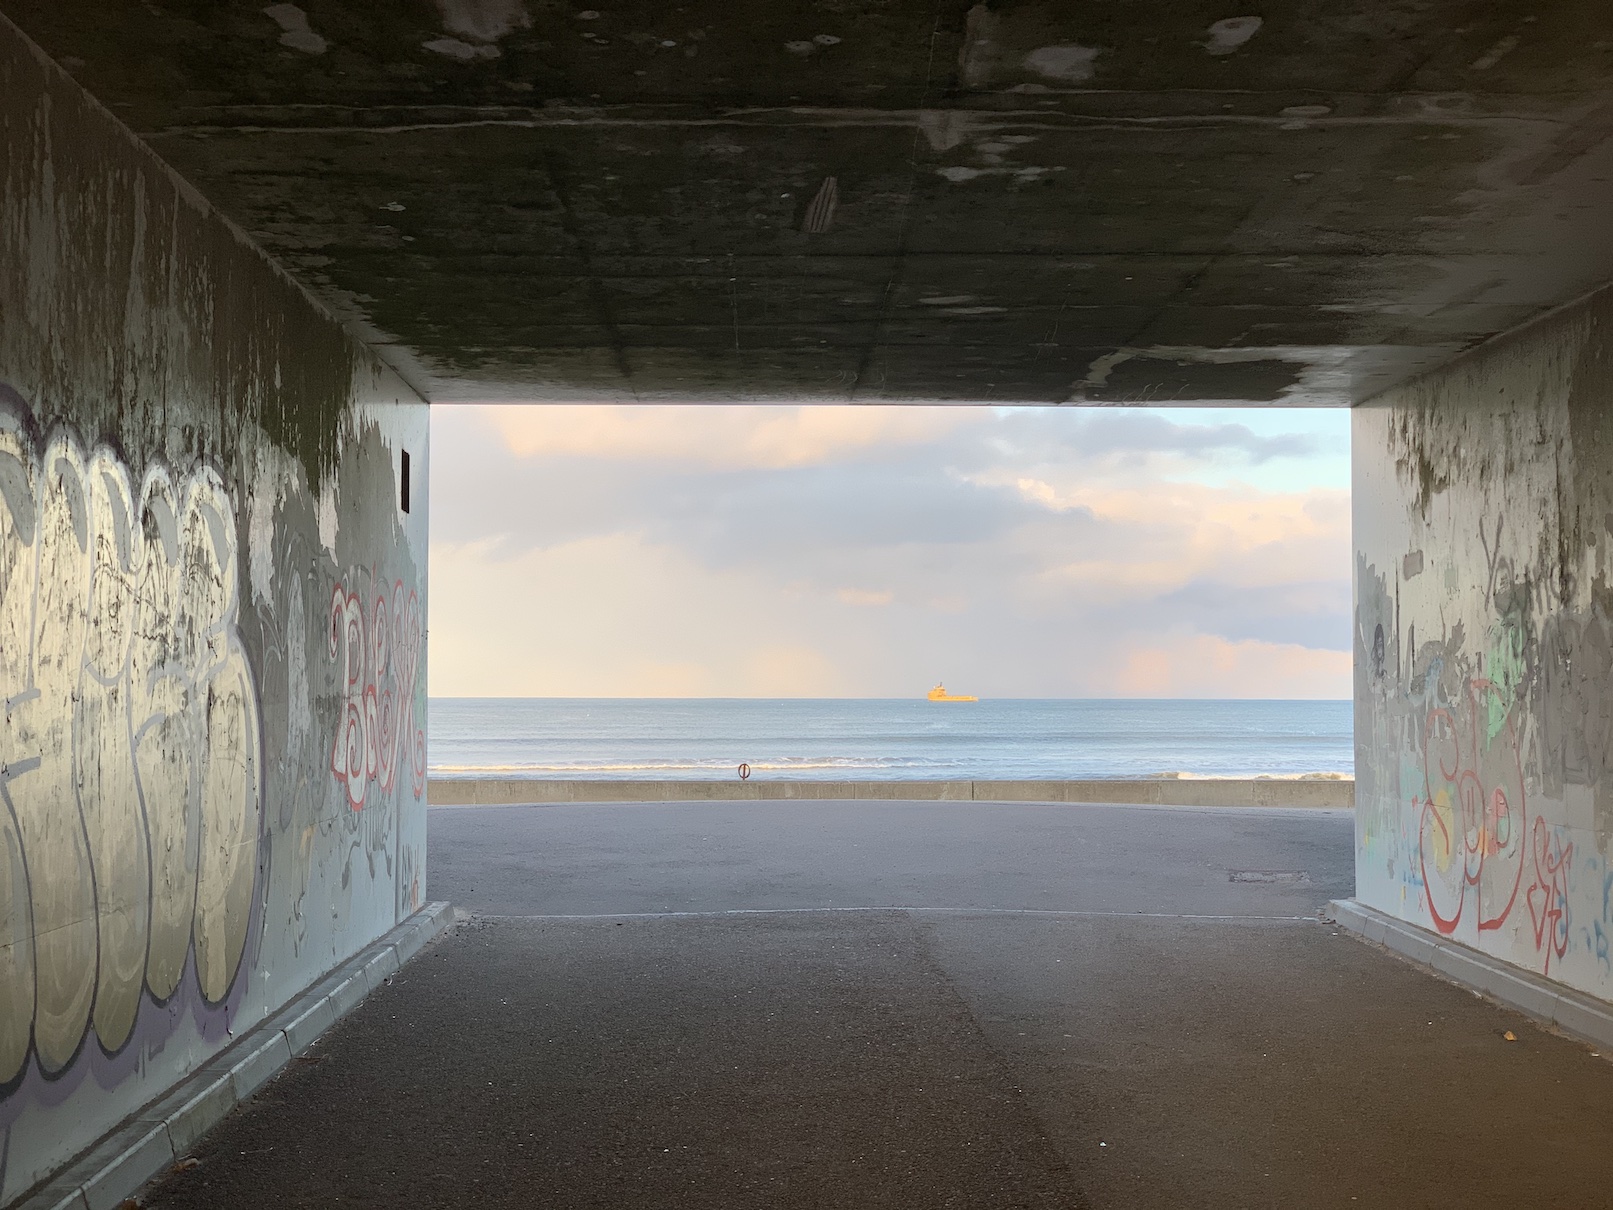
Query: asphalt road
[
  {"x": 911, "y": 1005},
  {"x": 658, "y": 857}
]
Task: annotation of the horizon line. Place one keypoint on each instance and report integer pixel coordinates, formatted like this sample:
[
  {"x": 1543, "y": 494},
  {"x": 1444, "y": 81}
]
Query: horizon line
[{"x": 546, "y": 697}]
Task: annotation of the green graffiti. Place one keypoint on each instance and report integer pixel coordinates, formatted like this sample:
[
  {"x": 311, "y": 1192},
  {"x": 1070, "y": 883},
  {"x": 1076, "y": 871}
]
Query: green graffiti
[{"x": 1505, "y": 668}]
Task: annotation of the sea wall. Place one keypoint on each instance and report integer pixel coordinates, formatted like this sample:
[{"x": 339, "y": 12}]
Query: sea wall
[
  {"x": 1483, "y": 500},
  {"x": 212, "y": 629},
  {"x": 1179, "y": 792}
]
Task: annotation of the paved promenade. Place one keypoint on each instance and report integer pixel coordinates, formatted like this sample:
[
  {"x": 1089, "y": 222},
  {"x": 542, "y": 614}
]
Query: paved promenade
[{"x": 911, "y": 1005}]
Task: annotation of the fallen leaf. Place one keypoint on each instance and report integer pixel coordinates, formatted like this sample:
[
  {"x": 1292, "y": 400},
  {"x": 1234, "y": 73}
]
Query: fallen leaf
[{"x": 1510, "y": 1036}]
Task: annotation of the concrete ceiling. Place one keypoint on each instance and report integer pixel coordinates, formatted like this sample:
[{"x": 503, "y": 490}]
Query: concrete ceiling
[{"x": 1262, "y": 201}]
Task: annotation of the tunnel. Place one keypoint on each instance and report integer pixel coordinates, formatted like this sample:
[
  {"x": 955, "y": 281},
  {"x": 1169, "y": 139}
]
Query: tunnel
[{"x": 246, "y": 249}]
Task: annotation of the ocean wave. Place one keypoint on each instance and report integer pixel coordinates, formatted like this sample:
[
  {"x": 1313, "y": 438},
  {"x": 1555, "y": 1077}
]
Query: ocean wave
[
  {"x": 1321, "y": 775},
  {"x": 916, "y": 771},
  {"x": 784, "y": 764},
  {"x": 822, "y": 741}
]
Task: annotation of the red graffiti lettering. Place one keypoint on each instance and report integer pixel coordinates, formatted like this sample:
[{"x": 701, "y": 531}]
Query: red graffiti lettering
[{"x": 1548, "y": 894}]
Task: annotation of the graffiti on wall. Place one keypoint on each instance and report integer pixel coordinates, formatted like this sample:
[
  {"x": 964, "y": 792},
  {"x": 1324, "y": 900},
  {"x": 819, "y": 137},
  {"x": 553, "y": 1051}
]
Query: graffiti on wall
[
  {"x": 1485, "y": 751},
  {"x": 376, "y": 637},
  {"x": 176, "y": 858},
  {"x": 130, "y": 773},
  {"x": 1482, "y": 855},
  {"x": 1472, "y": 814},
  {"x": 1552, "y": 860}
]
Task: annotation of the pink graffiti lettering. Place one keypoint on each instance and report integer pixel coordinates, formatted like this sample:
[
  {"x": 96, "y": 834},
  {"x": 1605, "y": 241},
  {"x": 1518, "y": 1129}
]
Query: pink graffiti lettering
[{"x": 378, "y": 651}]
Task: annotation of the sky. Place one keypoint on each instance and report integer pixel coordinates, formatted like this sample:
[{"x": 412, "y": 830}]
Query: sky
[{"x": 818, "y": 551}]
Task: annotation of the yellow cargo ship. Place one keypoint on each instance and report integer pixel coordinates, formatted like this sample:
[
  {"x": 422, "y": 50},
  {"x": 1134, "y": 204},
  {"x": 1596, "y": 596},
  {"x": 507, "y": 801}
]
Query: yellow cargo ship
[{"x": 940, "y": 694}]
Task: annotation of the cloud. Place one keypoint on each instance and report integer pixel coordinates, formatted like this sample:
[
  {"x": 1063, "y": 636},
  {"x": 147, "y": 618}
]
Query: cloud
[
  {"x": 1094, "y": 434},
  {"x": 1310, "y": 613},
  {"x": 483, "y": 488},
  {"x": 1213, "y": 667},
  {"x": 863, "y": 596},
  {"x": 729, "y": 436},
  {"x": 864, "y": 551}
]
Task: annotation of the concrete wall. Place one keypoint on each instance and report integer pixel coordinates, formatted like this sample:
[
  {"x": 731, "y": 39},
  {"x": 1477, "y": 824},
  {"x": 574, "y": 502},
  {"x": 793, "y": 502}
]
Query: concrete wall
[
  {"x": 1484, "y": 648},
  {"x": 212, "y": 629}
]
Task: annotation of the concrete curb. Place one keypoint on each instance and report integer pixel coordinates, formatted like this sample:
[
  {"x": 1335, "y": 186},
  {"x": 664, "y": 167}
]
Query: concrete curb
[
  {"x": 1574, "y": 1013},
  {"x": 150, "y": 1141},
  {"x": 1334, "y": 793}
]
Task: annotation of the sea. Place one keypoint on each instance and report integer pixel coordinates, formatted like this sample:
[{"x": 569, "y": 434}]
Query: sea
[{"x": 862, "y": 739}]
